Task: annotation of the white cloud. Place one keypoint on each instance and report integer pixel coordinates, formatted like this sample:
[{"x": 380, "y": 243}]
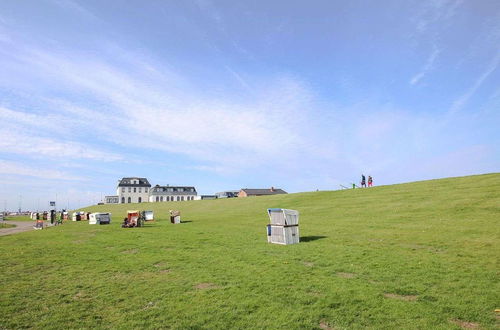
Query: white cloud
[
  {"x": 427, "y": 66},
  {"x": 461, "y": 101},
  {"x": 436, "y": 11},
  {"x": 24, "y": 140},
  {"x": 16, "y": 168},
  {"x": 147, "y": 109}
]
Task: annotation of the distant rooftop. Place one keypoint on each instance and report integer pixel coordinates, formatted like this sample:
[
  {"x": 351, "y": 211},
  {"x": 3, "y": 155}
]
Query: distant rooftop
[
  {"x": 268, "y": 191},
  {"x": 134, "y": 182},
  {"x": 173, "y": 190}
]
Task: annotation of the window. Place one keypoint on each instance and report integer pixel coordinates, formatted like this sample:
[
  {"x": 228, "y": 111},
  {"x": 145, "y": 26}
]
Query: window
[
  {"x": 157, "y": 198},
  {"x": 161, "y": 198},
  {"x": 129, "y": 189},
  {"x": 178, "y": 198},
  {"x": 123, "y": 200},
  {"x": 140, "y": 189},
  {"x": 182, "y": 198},
  {"x": 123, "y": 189},
  {"x": 146, "y": 189},
  {"x": 130, "y": 200},
  {"x": 140, "y": 199},
  {"x": 135, "y": 189}
]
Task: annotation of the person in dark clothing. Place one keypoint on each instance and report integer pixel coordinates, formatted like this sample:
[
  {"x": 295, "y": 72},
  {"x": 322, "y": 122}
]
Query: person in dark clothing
[{"x": 363, "y": 181}]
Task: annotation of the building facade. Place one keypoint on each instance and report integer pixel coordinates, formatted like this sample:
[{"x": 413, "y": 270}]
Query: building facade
[
  {"x": 227, "y": 194},
  {"x": 133, "y": 190},
  {"x": 172, "y": 193},
  {"x": 111, "y": 199}
]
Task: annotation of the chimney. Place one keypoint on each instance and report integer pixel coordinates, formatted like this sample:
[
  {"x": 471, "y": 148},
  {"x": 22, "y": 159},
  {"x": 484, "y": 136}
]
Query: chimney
[{"x": 272, "y": 189}]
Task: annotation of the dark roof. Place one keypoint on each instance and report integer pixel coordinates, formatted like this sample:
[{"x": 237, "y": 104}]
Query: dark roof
[
  {"x": 127, "y": 182},
  {"x": 177, "y": 190},
  {"x": 267, "y": 191}
]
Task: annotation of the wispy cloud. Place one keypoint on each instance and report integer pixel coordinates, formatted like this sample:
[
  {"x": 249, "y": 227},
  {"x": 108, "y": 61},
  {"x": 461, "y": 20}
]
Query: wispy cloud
[
  {"x": 150, "y": 111},
  {"x": 239, "y": 78},
  {"x": 75, "y": 7},
  {"x": 436, "y": 11},
  {"x": 427, "y": 66},
  {"x": 16, "y": 168},
  {"x": 19, "y": 136},
  {"x": 461, "y": 101}
]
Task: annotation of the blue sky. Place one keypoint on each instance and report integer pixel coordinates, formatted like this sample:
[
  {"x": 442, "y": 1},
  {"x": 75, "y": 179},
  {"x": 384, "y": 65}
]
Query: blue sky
[{"x": 222, "y": 95}]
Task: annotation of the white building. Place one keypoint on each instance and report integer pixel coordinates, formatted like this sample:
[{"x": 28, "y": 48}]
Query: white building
[
  {"x": 172, "y": 193},
  {"x": 111, "y": 199},
  {"x": 227, "y": 194},
  {"x": 133, "y": 190}
]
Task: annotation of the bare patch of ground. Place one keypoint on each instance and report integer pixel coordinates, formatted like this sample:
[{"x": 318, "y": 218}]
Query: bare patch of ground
[
  {"x": 465, "y": 324},
  {"x": 324, "y": 325},
  {"x": 316, "y": 294},
  {"x": 131, "y": 251},
  {"x": 81, "y": 296},
  {"x": 422, "y": 247},
  {"x": 308, "y": 264},
  {"x": 206, "y": 286},
  {"x": 401, "y": 297},
  {"x": 20, "y": 226},
  {"x": 346, "y": 275},
  {"x": 149, "y": 305}
]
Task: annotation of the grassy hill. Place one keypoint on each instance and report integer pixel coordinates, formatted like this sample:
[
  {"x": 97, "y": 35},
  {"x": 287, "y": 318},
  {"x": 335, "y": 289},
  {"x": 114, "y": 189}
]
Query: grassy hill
[{"x": 416, "y": 256}]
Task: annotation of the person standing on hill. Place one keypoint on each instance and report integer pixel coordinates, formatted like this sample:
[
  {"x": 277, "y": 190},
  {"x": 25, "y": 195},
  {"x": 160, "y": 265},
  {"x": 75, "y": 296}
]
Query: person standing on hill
[
  {"x": 363, "y": 181},
  {"x": 370, "y": 181}
]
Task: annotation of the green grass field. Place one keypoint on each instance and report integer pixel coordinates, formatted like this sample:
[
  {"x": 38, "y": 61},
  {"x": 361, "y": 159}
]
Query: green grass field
[
  {"x": 18, "y": 218},
  {"x": 422, "y": 255}
]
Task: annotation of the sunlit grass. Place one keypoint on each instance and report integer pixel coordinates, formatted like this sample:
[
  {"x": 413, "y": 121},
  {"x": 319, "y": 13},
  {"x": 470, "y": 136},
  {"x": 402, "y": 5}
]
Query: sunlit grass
[{"x": 421, "y": 255}]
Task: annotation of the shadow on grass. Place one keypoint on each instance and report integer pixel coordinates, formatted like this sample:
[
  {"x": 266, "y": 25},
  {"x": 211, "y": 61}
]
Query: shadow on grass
[
  {"x": 306, "y": 239},
  {"x": 186, "y": 221}
]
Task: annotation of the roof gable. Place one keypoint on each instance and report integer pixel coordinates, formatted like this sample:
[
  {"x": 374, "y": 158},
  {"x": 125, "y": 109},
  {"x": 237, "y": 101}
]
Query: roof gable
[{"x": 127, "y": 182}]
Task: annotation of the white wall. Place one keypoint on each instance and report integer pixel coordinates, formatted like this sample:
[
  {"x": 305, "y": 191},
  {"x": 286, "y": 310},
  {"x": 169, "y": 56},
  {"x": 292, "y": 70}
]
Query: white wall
[{"x": 133, "y": 195}]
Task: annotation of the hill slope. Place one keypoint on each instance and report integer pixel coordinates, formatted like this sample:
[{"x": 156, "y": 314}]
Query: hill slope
[{"x": 418, "y": 255}]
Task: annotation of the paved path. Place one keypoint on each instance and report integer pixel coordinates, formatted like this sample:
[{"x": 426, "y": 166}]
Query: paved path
[{"x": 20, "y": 227}]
